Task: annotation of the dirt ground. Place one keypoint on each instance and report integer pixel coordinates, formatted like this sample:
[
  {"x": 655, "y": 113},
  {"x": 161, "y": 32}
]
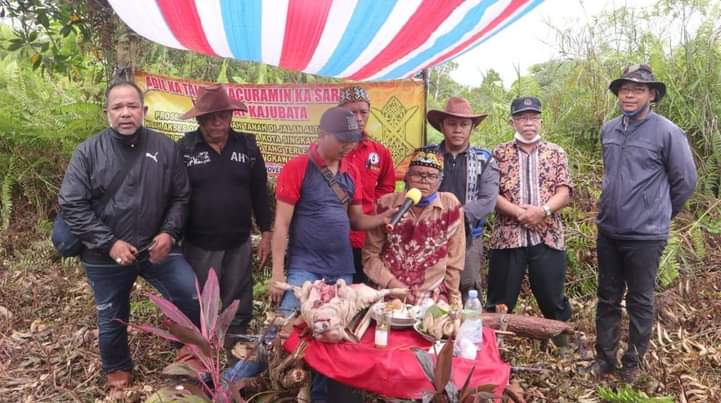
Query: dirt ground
[{"x": 48, "y": 338}]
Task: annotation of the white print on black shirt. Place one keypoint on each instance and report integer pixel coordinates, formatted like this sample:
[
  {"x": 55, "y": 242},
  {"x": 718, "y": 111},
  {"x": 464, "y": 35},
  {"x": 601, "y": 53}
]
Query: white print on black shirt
[
  {"x": 239, "y": 157},
  {"x": 200, "y": 158},
  {"x": 153, "y": 157}
]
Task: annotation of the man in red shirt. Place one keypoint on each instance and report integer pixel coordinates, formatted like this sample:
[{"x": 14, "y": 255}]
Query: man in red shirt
[
  {"x": 375, "y": 164},
  {"x": 318, "y": 201}
]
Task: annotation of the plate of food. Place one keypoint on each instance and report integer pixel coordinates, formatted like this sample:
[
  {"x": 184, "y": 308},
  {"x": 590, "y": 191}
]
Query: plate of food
[
  {"x": 438, "y": 323},
  {"x": 402, "y": 315}
]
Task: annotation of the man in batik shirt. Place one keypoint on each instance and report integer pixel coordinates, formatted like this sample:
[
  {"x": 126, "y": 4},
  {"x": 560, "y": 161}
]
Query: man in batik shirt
[
  {"x": 426, "y": 249},
  {"x": 527, "y": 233}
]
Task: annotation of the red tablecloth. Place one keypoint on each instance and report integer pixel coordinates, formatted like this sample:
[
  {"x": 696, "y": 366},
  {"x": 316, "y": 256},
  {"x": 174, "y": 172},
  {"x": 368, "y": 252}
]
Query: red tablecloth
[{"x": 394, "y": 371}]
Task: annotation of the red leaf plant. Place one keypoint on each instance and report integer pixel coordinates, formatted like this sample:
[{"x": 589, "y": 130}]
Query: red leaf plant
[{"x": 206, "y": 343}]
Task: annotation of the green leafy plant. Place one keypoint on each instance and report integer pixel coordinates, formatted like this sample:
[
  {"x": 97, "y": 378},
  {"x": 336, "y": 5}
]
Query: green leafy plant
[
  {"x": 6, "y": 199},
  {"x": 206, "y": 343},
  {"x": 37, "y": 136},
  {"x": 669, "y": 265},
  {"x": 627, "y": 394},
  {"x": 58, "y": 37}
]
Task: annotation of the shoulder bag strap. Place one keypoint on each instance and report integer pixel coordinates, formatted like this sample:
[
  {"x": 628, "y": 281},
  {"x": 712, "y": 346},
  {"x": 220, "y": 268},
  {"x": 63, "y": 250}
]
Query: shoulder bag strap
[{"x": 342, "y": 195}]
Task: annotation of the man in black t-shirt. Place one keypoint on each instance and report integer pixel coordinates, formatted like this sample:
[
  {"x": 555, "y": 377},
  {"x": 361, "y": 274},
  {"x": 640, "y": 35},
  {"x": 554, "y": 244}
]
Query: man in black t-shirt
[{"x": 228, "y": 181}]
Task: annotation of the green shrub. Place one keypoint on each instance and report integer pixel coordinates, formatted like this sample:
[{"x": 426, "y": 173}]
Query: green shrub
[
  {"x": 41, "y": 122},
  {"x": 627, "y": 394}
]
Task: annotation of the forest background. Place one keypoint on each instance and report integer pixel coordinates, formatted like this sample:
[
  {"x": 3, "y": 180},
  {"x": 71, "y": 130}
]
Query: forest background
[{"x": 55, "y": 61}]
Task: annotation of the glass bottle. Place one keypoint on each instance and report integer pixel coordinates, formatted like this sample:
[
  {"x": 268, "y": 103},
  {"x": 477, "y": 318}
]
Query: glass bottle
[{"x": 383, "y": 329}]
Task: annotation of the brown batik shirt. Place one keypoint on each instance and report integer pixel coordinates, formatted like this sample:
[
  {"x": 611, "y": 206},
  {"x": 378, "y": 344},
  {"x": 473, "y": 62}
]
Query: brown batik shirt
[{"x": 530, "y": 178}]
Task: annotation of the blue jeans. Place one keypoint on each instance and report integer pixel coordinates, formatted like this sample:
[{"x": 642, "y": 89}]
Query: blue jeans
[
  {"x": 289, "y": 303},
  {"x": 111, "y": 286}
]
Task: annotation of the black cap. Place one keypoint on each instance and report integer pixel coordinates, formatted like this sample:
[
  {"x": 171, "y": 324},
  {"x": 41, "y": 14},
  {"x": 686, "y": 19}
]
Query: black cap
[
  {"x": 341, "y": 123},
  {"x": 523, "y": 104}
]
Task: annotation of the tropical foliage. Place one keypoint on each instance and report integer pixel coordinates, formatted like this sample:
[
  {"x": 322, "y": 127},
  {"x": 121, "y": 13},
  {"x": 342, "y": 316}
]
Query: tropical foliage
[{"x": 205, "y": 343}]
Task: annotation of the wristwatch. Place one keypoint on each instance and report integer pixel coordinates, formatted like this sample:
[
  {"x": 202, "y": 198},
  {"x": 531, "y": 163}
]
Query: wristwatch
[{"x": 547, "y": 210}]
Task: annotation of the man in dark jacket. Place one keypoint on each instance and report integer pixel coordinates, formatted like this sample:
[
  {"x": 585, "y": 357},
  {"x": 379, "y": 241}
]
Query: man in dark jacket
[
  {"x": 227, "y": 181},
  {"x": 134, "y": 232},
  {"x": 649, "y": 173}
]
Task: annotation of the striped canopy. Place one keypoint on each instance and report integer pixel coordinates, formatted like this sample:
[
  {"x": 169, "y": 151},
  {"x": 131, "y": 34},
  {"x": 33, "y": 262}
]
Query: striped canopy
[{"x": 352, "y": 39}]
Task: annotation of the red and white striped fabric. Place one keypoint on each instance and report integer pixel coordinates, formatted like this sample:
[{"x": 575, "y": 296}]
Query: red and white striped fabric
[{"x": 353, "y": 39}]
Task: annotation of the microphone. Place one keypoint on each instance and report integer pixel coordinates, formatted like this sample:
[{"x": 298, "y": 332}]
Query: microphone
[{"x": 413, "y": 196}]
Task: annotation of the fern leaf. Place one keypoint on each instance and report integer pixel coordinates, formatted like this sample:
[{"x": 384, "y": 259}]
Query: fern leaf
[
  {"x": 698, "y": 242},
  {"x": 669, "y": 265},
  {"x": 6, "y": 200}
]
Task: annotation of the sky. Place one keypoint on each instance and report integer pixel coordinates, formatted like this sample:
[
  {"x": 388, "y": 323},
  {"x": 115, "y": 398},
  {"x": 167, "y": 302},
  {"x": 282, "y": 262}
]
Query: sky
[{"x": 530, "y": 40}]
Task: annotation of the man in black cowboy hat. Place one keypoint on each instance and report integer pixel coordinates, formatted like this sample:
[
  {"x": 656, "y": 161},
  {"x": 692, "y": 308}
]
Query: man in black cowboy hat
[
  {"x": 318, "y": 201},
  {"x": 227, "y": 181},
  {"x": 649, "y": 173}
]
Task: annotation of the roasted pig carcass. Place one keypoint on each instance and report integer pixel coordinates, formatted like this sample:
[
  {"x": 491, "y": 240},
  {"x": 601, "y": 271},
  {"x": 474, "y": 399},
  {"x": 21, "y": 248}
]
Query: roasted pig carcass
[{"x": 329, "y": 308}]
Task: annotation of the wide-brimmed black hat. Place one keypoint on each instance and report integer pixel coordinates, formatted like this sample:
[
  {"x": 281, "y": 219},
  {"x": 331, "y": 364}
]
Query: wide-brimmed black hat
[{"x": 639, "y": 73}]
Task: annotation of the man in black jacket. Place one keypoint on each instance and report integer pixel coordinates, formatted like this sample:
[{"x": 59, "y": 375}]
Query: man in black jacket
[
  {"x": 227, "y": 181},
  {"x": 134, "y": 232}
]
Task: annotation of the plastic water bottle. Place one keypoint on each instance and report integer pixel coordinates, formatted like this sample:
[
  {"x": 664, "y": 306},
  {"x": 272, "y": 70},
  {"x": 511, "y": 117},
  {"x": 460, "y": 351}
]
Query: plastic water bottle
[
  {"x": 472, "y": 316},
  {"x": 470, "y": 334}
]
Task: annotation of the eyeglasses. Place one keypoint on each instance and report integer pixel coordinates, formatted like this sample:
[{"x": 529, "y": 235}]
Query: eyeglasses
[
  {"x": 424, "y": 177},
  {"x": 633, "y": 90},
  {"x": 530, "y": 118}
]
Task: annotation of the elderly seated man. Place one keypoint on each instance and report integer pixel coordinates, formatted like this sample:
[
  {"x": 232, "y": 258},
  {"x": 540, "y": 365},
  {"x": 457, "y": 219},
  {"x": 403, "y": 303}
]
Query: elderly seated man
[{"x": 425, "y": 251}]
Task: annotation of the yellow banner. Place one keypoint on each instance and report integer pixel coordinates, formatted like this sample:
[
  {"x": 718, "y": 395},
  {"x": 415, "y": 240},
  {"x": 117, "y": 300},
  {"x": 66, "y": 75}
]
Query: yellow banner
[{"x": 285, "y": 117}]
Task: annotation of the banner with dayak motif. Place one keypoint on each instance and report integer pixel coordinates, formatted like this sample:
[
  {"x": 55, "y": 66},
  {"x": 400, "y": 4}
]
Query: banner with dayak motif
[{"x": 285, "y": 117}]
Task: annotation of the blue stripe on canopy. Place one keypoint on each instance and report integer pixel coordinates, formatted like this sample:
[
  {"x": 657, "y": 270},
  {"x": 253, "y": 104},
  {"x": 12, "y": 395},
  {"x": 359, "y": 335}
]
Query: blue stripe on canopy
[
  {"x": 368, "y": 18},
  {"x": 241, "y": 21}
]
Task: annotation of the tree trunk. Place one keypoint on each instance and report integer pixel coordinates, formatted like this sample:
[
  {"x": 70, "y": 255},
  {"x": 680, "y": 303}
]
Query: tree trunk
[{"x": 526, "y": 326}]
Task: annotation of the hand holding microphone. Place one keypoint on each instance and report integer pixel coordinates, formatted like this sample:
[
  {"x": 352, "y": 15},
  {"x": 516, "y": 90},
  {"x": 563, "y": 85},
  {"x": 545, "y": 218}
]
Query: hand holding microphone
[{"x": 413, "y": 196}]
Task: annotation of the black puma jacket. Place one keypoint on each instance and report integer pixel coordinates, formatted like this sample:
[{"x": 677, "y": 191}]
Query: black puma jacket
[{"x": 152, "y": 198}]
